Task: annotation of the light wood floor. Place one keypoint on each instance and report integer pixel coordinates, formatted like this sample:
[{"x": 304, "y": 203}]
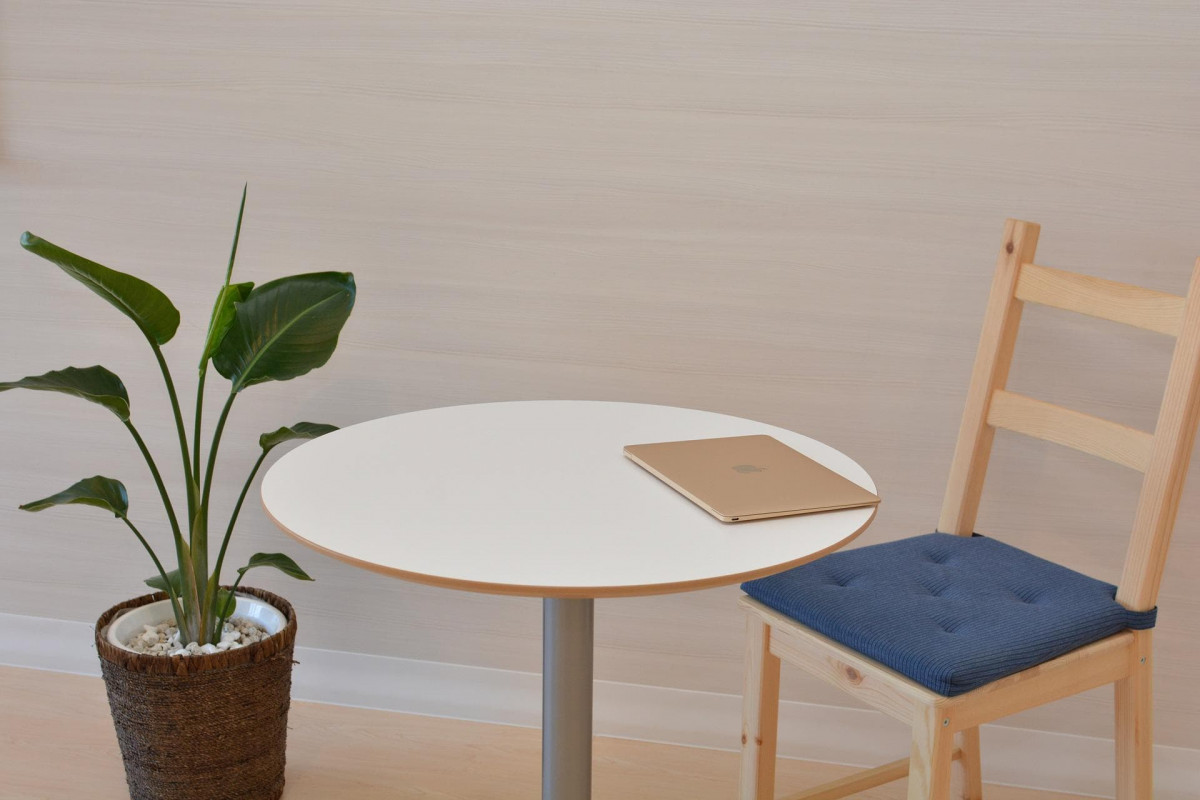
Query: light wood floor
[{"x": 56, "y": 741}]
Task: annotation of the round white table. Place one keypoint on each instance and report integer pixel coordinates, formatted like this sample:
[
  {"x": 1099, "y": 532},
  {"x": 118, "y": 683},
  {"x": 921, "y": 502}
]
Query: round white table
[{"x": 536, "y": 498}]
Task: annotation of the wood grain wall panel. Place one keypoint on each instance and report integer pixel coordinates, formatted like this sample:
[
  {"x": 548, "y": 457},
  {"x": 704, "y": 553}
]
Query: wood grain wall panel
[{"x": 779, "y": 210}]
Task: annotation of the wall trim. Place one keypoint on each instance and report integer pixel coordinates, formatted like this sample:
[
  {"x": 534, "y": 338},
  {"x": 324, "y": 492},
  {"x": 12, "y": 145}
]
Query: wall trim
[{"x": 835, "y": 734}]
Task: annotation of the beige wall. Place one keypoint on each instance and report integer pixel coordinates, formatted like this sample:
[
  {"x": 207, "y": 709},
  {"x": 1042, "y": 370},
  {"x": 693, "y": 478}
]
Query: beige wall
[{"x": 787, "y": 211}]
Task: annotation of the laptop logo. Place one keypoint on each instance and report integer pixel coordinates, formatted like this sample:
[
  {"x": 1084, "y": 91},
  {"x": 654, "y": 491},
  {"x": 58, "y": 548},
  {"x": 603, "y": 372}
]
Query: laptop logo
[{"x": 745, "y": 468}]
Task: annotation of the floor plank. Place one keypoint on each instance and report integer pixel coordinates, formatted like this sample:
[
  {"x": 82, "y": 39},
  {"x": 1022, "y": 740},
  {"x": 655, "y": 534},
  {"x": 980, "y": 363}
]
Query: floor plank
[{"x": 56, "y": 741}]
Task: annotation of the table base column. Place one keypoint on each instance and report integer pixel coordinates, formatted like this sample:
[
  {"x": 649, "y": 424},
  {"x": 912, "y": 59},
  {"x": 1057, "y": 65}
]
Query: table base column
[{"x": 567, "y": 632}]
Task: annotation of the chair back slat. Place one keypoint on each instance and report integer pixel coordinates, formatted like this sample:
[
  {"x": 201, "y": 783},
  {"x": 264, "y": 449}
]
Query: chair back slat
[
  {"x": 1099, "y": 437},
  {"x": 1119, "y": 302},
  {"x": 1169, "y": 459},
  {"x": 1163, "y": 456},
  {"x": 992, "y": 361}
]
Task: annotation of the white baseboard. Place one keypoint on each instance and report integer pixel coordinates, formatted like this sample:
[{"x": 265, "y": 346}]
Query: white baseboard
[{"x": 835, "y": 734}]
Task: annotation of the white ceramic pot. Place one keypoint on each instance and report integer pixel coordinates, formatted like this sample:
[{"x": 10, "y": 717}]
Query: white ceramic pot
[{"x": 130, "y": 623}]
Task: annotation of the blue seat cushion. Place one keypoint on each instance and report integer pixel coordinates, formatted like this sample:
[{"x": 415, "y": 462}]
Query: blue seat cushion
[{"x": 951, "y": 612}]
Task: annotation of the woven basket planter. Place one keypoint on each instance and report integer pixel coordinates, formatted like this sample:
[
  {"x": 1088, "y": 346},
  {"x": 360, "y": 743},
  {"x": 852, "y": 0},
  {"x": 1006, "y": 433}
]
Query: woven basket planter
[{"x": 209, "y": 727}]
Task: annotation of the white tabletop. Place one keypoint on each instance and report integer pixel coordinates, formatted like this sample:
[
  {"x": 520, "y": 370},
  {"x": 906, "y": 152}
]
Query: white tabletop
[{"x": 535, "y": 498}]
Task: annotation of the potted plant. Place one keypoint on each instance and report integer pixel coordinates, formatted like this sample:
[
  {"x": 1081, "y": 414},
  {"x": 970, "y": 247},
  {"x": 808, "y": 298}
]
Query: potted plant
[{"x": 204, "y": 713}]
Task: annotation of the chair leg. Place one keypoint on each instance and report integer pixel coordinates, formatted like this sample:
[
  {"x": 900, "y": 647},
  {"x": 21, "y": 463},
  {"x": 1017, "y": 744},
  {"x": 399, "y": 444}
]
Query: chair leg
[
  {"x": 932, "y": 756},
  {"x": 1135, "y": 726},
  {"x": 760, "y": 714},
  {"x": 970, "y": 762}
]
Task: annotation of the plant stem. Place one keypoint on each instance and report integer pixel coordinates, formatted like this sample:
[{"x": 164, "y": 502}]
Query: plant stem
[
  {"x": 212, "y": 452},
  {"x": 183, "y": 443},
  {"x": 186, "y": 572},
  {"x": 215, "y": 578},
  {"x": 200, "y": 532},
  {"x": 199, "y": 418},
  {"x": 176, "y": 609},
  {"x": 162, "y": 489}
]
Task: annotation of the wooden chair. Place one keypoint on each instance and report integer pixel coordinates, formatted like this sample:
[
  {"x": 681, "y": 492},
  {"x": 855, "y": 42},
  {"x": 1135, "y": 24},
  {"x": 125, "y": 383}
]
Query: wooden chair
[{"x": 946, "y": 728}]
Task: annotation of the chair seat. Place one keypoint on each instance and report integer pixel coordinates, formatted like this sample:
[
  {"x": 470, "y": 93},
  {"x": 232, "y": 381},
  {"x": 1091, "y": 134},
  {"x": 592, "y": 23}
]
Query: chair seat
[{"x": 953, "y": 613}]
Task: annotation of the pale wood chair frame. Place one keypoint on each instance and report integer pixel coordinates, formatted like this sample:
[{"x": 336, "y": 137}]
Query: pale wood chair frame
[{"x": 946, "y": 729}]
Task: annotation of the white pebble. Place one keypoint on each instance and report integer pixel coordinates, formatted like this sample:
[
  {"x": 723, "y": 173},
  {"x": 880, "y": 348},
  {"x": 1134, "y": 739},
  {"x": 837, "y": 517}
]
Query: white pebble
[{"x": 164, "y": 639}]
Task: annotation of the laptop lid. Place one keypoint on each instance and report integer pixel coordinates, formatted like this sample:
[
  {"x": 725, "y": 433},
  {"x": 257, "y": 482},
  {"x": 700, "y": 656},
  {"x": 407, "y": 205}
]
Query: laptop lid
[{"x": 748, "y": 477}]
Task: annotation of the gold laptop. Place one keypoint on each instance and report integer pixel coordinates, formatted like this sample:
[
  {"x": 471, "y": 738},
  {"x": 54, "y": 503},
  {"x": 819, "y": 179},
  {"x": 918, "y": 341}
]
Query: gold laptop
[{"x": 748, "y": 477}]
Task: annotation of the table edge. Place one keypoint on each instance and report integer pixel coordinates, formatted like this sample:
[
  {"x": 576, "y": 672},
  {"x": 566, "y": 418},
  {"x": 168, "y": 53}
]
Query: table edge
[{"x": 524, "y": 590}]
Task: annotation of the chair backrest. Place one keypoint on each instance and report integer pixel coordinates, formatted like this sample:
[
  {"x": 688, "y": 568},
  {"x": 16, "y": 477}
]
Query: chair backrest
[{"x": 1162, "y": 456}]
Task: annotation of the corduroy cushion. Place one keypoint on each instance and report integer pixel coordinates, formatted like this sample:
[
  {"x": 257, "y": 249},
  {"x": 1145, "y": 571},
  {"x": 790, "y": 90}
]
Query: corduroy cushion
[{"x": 951, "y": 612}]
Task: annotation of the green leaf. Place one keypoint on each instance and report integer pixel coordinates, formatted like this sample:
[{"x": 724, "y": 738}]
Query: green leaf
[
  {"x": 148, "y": 307},
  {"x": 285, "y": 328},
  {"x": 224, "y": 606},
  {"x": 237, "y": 234},
  {"x": 277, "y": 560},
  {"x": 301, "y": 430},
  {"x": 222, "y": 317},
  {"x": 95, "y": 384},
  {"x": 96, "y": 491},
  {"x": 156, "y": 582}
]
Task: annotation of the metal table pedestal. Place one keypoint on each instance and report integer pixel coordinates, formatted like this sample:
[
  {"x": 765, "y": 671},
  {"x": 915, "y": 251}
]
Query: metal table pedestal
[{"x": 567, "y": 633}]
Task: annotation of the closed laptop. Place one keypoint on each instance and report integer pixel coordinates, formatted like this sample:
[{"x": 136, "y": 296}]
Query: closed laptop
[{"x": 741, "y": 478}]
